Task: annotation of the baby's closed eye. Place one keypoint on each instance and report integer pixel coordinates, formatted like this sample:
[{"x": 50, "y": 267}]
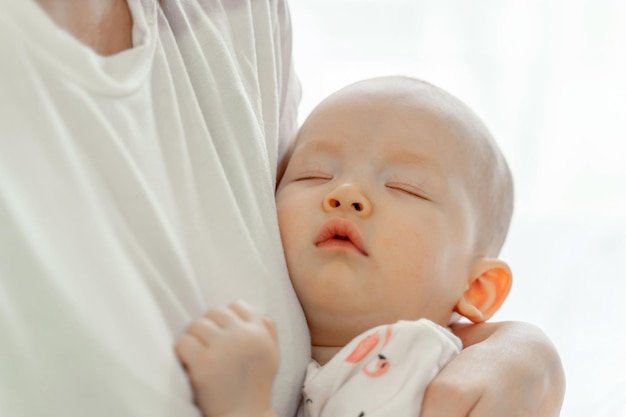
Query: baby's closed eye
[{"x": 409, "y": 189}]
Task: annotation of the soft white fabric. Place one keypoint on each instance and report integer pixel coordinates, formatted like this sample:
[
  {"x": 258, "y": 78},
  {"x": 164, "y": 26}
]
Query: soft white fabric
[
  {"x": 136, "y": 191},
  {"x": 382, "y": 372}
]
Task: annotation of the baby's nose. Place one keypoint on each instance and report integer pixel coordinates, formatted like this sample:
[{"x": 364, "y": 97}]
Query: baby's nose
[{"x": 348, "y": 197}]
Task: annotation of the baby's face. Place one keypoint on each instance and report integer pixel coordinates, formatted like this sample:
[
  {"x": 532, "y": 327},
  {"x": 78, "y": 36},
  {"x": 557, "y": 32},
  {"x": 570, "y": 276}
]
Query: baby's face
[{"x": 375, "y": 215}]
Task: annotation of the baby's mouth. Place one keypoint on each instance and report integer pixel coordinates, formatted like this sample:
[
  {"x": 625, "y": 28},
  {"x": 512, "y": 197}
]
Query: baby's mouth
[{"x": 342, "y": 233}]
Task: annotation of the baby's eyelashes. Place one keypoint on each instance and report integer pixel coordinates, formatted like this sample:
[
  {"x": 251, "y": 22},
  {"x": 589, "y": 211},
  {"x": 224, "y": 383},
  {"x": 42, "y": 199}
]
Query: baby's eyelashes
[
  {"x": 410, "y": 190},
  {"x": 313, "y": 176}
]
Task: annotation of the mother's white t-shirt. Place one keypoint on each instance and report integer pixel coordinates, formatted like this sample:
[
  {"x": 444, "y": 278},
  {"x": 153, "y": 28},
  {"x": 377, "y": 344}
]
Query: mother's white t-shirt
[{"x": 136, "y": 191}]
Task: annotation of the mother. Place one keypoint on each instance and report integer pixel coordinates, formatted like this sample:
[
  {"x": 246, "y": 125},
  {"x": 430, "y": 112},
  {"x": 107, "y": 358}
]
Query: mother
[{"x": 139, "y": 142}]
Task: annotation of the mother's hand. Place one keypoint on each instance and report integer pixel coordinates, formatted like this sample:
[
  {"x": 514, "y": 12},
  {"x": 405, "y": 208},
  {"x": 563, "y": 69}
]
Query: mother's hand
[{"x": 505, "y": 369}]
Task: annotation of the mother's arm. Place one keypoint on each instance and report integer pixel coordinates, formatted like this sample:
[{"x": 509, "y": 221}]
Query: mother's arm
[{"x": 505, "y": 369}]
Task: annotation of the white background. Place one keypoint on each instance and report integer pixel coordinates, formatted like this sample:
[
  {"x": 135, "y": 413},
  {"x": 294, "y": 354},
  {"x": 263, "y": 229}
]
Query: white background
[{"x": 549, "y": 79}]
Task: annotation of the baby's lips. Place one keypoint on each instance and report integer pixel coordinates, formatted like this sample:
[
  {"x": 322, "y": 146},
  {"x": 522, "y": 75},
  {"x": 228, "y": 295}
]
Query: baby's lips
[{"x": 342, "y": 228}]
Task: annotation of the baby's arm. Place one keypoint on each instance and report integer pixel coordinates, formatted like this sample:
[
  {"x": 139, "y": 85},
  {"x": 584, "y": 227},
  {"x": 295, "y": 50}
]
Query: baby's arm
[{"x": 231, "y": 357}]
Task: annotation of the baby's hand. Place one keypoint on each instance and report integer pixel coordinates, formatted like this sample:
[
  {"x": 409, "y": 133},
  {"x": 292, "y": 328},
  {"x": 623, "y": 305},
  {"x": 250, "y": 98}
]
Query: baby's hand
[{"x": 231, "y": 356}]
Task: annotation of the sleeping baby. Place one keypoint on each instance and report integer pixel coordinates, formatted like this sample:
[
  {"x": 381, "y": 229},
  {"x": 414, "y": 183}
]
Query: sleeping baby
[{"x": 393, "y": 206}]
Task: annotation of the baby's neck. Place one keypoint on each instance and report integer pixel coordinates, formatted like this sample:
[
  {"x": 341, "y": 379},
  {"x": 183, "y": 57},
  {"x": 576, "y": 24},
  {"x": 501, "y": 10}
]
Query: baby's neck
[{"x": 322, "y": 354}]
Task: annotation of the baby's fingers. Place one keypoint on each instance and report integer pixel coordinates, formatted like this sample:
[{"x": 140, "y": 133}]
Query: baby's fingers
[
  {"x": 204, "y": 330},
  {"x": 223, "y": 317},
  {"x": 243, "y": 310},
  {"x": 247, "y": 313},
  {"x": 271, "y": 327},
  {"x": 188, "y": 349}
]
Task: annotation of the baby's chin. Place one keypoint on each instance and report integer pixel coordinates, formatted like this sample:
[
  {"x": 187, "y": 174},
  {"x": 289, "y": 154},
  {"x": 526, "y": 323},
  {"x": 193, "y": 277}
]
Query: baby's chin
[{"x": 339, "y": 332}]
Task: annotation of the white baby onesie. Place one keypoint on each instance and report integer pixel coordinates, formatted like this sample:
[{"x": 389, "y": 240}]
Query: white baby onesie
[{"x": 382, "y": 372}]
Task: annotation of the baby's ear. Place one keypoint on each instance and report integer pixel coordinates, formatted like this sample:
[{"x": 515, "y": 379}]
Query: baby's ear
[{"x": 486, "y": 290}]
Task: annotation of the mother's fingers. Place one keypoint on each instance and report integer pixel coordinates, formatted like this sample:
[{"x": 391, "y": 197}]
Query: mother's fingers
[
  {"x": 447, "y": 396},
  {"x": 458, "y": 388}
]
